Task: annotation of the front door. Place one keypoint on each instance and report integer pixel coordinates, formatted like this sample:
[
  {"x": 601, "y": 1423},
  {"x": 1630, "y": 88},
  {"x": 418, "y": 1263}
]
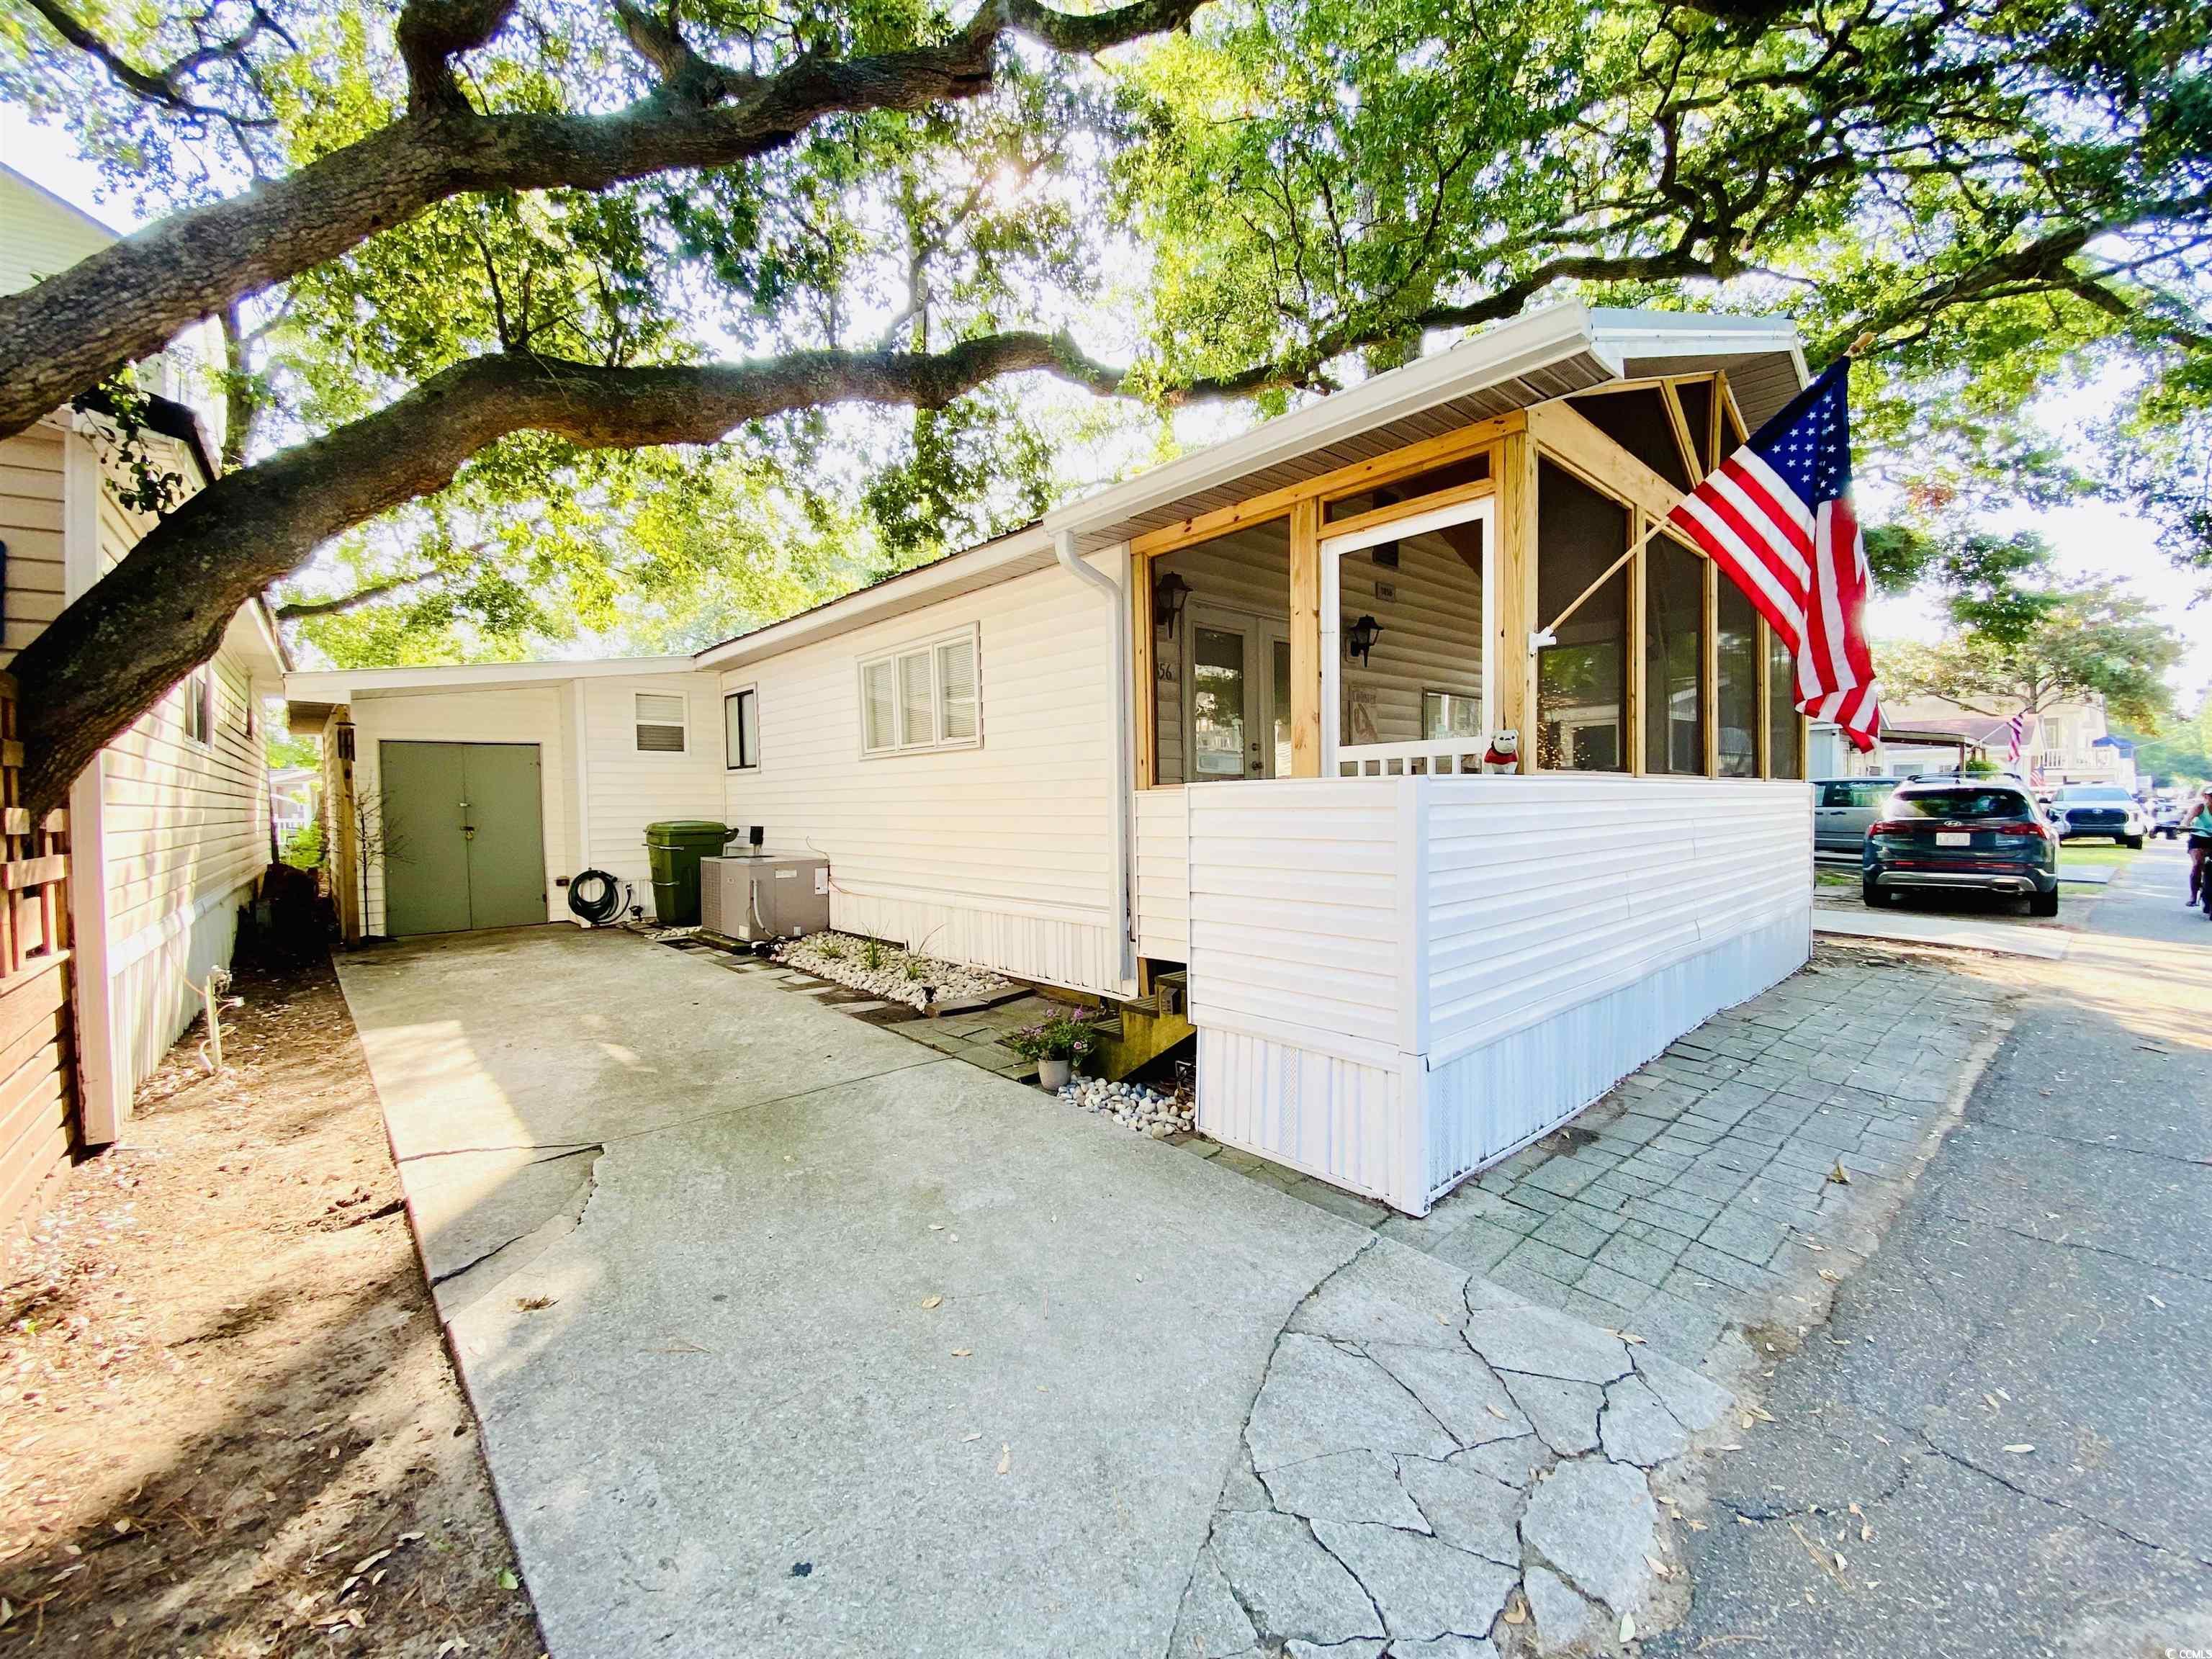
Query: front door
[
  {"x": 1240, "y": 696},
  {"x": 462, "y": 837}
]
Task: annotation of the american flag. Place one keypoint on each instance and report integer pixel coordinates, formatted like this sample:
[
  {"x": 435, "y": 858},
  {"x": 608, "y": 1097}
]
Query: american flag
[
  {"x": 1777, "y": 518},
  {"x": 2017, "y": 726}
]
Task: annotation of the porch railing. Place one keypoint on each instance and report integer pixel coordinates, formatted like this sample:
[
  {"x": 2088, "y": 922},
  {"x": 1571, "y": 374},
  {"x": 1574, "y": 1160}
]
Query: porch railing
[{"x": 1435, "y": 758}]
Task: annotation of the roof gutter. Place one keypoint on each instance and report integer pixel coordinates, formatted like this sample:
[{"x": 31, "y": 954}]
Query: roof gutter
[{"x": 1123, "y": 802}]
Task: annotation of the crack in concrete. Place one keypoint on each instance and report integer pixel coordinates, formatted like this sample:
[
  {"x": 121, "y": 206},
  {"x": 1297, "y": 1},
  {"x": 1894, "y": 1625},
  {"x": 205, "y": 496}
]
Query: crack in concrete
[
  {"x": 2082, "y": 1244},
  {"x": 2058, "y": 1504},
  {"x": 572, "y": 1214},
  {"x": 2084, "y": 1140},
  {"x": 557, "y": 1150}
]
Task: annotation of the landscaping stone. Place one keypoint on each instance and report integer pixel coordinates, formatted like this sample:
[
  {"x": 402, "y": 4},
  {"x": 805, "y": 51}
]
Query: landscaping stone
[
  {"x": 1424, "y": 1587},
  {"x": 1696, "y": 1402},
  {"x": 1593, "y": 1521},
  {"x": 1318, "y": 1399},
  {"x": 898, "y": 976},
  {"x": 1468, "y": 1510},
  {"x": 1563, "y": 1618},
  {"x": 1145, "y": 1110},
  {"x": 1535, "y": 1340},
  {"x": 1457, "y": 1389},
  {"x": 1351, "y": 1485},
  {"x": 1563, "y": 1411},
  {"x": 1290, "y": 1584},
  {"x": 1635, "y": 1427}
]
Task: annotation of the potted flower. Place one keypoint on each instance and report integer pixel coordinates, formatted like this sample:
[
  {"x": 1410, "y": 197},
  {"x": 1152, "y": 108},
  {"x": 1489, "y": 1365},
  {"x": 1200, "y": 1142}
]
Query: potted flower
[{"x": 1056, "y": 1042}]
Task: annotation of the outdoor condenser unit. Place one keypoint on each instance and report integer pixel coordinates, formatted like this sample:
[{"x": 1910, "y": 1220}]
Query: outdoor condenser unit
[{"x": 759, "y": 896}]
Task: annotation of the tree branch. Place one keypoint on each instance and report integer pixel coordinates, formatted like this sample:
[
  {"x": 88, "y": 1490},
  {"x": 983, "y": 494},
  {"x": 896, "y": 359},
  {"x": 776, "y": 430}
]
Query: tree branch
[
  {"x": 74, "y": 329},
  {"x": 163, "y": 610},
  {"x": 164, "y": 87},
  {"x": 288, "y": 610}
]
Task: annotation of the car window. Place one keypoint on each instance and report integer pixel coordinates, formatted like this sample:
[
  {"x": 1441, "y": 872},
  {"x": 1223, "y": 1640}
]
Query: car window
[
  {"x": 2079, "y": 793},
  {"x": 1835, "y": 794},
  {"x": 1873, "y": 793},
  {"x": 1963, "y": 804}
]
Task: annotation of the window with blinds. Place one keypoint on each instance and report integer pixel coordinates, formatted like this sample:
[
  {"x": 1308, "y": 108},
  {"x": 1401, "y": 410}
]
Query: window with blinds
[
  {"x": 660, "y": 723},
  {"x": 922, "y": 696}
]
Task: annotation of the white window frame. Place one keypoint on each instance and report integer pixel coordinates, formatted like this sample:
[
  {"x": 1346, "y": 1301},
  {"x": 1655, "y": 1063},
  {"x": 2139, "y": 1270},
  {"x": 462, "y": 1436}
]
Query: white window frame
[
  {"x": 926, "y": 648},
  {"x": 199, "y": 692},
  {"x": 730, "y": 763},
  {"x": 637, "y": 719}
]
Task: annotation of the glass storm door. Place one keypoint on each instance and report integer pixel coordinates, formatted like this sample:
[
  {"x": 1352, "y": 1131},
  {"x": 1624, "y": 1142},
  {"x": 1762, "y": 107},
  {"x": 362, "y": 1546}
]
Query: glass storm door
[{"x": 1240, "y": 693}]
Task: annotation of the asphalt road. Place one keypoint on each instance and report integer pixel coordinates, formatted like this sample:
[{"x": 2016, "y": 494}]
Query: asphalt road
[{"x": 2016, "y": 1391}]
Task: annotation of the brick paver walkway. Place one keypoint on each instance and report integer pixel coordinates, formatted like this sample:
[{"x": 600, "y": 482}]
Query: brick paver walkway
[{"x": 1674, "y": 1205}]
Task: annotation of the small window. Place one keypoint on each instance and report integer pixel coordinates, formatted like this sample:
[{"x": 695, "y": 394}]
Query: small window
[
  {"x": 1447, "y": 715},
  {"x": 660, "y": 724},
  {"x": 199, "y": 706},
  {"x": 922, "y": 696},
  {"x": 741, "y": 729}
]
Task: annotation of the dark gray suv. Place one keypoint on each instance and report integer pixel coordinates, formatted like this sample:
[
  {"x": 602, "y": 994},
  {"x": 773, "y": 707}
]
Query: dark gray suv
[{"x": 1963, "y": 836}]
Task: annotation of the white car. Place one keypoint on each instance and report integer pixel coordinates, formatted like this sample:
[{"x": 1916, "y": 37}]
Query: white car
[{"x": 2099, "y": 809}]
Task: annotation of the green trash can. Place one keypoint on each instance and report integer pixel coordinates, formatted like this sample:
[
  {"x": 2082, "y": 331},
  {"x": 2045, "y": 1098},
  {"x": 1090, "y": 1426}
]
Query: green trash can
[{"x": 673, "y": 848}]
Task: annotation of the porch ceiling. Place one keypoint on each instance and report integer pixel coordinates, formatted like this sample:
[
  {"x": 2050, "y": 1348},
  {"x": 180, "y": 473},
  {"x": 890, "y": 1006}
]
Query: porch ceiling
[
  {"x": 1763, "y": 381},
  {"x": 1576, "y": 372}
]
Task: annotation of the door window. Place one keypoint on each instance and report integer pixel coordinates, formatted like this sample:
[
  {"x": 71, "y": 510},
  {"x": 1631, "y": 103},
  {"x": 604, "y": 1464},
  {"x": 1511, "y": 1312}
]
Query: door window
[{"x": 1218, "y": 701}]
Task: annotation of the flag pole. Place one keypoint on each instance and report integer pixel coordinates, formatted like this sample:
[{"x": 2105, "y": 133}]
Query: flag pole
[{"x": 1544, "y": 636}]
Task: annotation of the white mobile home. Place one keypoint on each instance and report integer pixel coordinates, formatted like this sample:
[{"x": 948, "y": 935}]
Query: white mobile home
[{"x": 1230, "y": 717}]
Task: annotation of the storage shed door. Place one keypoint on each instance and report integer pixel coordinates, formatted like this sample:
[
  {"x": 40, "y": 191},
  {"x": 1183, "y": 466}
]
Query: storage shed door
[{"x": 464, "y": 836}]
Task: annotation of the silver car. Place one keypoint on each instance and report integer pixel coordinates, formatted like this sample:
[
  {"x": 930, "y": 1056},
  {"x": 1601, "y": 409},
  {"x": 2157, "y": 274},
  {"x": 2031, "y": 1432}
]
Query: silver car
[{"x": 1845, "y": 808}]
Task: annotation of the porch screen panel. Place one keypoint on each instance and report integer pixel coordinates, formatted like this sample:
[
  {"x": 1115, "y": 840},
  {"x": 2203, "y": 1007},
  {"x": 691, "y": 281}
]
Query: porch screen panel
[
  {"x": 1425, "y": 594},
  {"x": 1236, "y": 581},
  {"x": 1673, "y": 658},
  {"x": 1736, "y": 693},
  {"x": 1579, "y": 680},
  {"x": 1786, "y": 760}
]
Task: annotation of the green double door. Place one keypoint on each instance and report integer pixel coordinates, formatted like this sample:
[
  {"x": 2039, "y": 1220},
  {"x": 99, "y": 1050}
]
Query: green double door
[{"x": 464, "y": 836}]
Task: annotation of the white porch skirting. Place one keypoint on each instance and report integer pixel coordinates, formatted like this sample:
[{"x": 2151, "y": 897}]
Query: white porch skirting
[{"x": 1397, "y": 982}]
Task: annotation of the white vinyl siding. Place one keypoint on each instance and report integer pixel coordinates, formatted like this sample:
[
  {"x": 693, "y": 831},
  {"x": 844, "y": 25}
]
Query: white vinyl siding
[
  {"x": 922, "y": 696},
  {"x": 996, "y": 851},
  {"x": 1490, "y": 972},
  {"x": 627, "y": 788},
  {"x": 661, "y": 724}
]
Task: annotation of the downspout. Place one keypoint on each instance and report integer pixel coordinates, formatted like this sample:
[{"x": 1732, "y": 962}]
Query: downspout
[{"x": 1110, "y": 592}]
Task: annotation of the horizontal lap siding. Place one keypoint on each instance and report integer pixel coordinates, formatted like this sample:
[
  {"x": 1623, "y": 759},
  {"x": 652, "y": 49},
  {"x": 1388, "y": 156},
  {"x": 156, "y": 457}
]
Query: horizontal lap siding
[
  {"x": 1574, "y": 927},
  {"x": 626, "y": 789},
  {"x": 1295, "y": 913},
  {"x": 999, "y": 855},
  {"x": 30, "y": 524},
  {"x": 1163, "y": 874}
]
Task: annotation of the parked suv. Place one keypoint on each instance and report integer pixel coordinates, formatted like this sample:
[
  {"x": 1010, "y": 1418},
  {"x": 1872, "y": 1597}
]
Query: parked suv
[
  {"x": 2099, "y": 809},
  {"x": 1842, "y": 808},
  {"x": 1979, "y": 837}
]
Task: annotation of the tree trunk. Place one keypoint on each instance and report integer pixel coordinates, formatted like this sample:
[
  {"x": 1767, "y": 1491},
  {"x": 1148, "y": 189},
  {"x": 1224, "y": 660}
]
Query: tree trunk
[{"x": 163, "y": 610}]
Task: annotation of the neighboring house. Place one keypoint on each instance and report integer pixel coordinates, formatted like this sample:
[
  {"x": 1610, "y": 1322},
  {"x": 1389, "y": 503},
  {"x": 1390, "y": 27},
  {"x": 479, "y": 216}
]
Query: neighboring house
[
  {"x": 169, "y": 828},
  {"x": 2067, "y": 743},
  {"x": 1223, "y": 717}
]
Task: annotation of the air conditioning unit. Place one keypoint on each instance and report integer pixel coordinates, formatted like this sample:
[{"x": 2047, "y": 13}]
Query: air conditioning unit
[{"x": 759, "y": 897}]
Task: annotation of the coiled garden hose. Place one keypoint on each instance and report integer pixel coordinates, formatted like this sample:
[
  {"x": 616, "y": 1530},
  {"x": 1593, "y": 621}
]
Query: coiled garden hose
[{"x": 595, "y": 897}]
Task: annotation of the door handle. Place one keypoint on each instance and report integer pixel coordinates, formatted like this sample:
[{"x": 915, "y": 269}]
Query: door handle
[{"x": 468, "y": 832}]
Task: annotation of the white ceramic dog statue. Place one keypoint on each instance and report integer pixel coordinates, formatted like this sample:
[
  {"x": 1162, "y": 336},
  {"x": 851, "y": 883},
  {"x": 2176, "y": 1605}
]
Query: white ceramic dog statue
[{"x": 1503, "y": 754}]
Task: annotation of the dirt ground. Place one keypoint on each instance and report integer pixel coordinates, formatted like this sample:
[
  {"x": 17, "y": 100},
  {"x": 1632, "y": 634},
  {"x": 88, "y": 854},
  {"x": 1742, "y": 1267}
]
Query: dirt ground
[{"x": 227, "y": 1423}]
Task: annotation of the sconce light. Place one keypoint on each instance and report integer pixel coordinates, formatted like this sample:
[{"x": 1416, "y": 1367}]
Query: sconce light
[
  {"x": 1170, "y": 594},
  {"x": 1359, "y": 638}
]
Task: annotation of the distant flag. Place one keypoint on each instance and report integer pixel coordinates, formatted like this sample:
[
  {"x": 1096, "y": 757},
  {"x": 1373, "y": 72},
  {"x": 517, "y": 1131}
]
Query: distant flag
[
  {"x": 2017, "y": 726},
  {"x": 1777, "y": 517}
]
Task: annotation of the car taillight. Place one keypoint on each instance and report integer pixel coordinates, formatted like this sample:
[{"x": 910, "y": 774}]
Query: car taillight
[
  {"x": 1890, "y": 827},
  {"x": 2028, "y": 830}
]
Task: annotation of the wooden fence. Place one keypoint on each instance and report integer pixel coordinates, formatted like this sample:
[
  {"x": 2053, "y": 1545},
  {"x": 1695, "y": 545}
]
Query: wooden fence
[{"x": 39, "y": 1101}]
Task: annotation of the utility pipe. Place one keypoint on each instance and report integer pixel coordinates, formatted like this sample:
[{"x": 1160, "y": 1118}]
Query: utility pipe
[{"x": 1124, "y": 802}]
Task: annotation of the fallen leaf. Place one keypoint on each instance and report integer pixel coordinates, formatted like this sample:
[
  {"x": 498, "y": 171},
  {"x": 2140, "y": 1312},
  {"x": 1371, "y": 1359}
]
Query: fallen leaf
[
  {"x": 965, "y": 1438},
  {"x": 368, "y": 1561},
  {"x": 1005, "y": 1457},
  {"x": 2156, "y": 1302},
  {"x": 1497, "y": 1412},
  {"x": 2022, "y": 1447},
  {"x": 1832, "y": 1275},
  {"x": 936, "y": 1226},
  {"x": 1517, "y": 1609},
  {"x": 1627, "y": 1627},
  {"x": 1630, "y": 1336},
  {"x": 962, "y": 1353},
  {"x": 1695, "y": 1526},
  {"x": 507, "y": 1581},
  {"x": 527, "y": 1304},
  {"x": 932, "y": 1302},
  {"x": 1839, "y": 1174}
]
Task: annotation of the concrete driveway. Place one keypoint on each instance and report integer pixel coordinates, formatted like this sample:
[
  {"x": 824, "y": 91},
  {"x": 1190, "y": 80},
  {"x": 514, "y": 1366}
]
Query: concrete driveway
[{"x": 789, "y": 1336}]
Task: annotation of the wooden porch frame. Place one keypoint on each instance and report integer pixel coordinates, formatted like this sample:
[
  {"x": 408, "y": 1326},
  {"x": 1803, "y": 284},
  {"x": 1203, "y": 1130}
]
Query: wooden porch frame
[{"x": 1554, "y": 431}]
